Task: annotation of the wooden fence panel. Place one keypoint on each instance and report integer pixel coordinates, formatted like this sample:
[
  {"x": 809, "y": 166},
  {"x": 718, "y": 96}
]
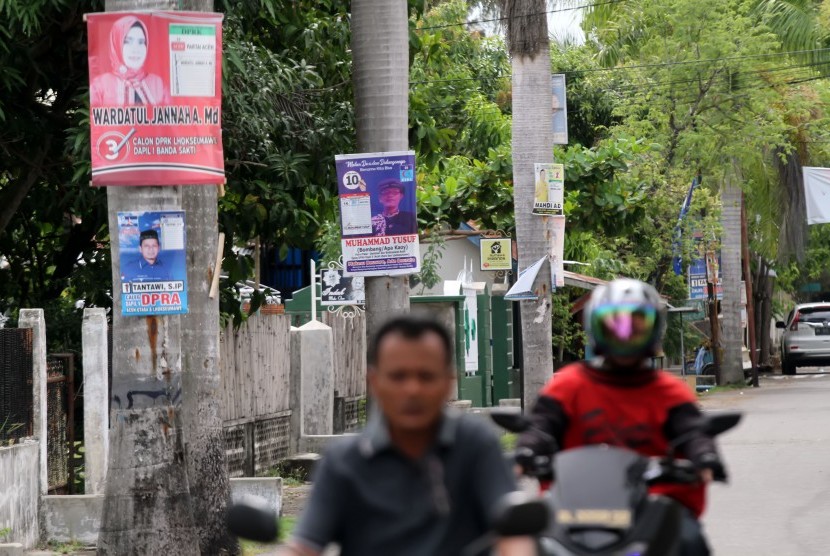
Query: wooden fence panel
[
  {"x": 255, "y": 365},
  {"x": 349, "y": 335}
]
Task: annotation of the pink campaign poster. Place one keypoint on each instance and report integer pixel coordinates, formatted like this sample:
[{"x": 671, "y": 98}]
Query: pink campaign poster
[{"x": 155, "y": 98}]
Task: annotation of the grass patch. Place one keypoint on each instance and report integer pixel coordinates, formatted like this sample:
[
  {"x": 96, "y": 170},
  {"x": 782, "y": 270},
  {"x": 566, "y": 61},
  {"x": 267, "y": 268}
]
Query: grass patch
[
  {"x": 288, "y": 479},
  {"x": 250, "y": 548},
  {"x": 725, "y": 388},
  {"x": 66, "y": 547},
  {"x": 508, "y": 441}
]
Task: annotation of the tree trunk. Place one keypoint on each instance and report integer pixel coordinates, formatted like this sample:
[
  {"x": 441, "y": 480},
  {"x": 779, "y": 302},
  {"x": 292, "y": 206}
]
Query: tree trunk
[
  {"x": 380, "y": 51},
  {"x": 204, "y": 441},
  {"x": 147, "y": 507},
  {"x": 163, "y": 498},
  {"x": 793, "y": 235},
  {"x": 532, "y": 143},
  {"x": 732, "y": 338}
]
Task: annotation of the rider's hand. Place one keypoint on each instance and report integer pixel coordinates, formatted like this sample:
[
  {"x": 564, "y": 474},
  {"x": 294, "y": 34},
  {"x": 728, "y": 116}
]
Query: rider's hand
[{"x": 706, "y": 476}]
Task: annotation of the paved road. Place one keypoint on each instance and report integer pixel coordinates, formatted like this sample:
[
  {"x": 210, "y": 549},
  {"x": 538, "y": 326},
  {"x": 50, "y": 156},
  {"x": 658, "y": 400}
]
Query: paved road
[{"x": 778, "y": 500}]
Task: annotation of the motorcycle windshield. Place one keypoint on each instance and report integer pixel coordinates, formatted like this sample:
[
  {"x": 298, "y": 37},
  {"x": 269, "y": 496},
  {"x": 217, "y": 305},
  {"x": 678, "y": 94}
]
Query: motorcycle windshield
[{"x": 597, "y": 486}]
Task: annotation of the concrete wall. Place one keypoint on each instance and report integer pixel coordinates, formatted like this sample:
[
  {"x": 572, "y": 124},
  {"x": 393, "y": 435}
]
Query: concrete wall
[
  {"x": 269, "y": 488},
  {"x": 78, "y": 517},
  {"x": 452, "y": 262},
  {"x": 20, "y": 477},
  {"x": 72, "y": 518}
]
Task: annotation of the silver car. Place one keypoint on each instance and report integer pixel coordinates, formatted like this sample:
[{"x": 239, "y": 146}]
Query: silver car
[{"x": 806, "y": 337}]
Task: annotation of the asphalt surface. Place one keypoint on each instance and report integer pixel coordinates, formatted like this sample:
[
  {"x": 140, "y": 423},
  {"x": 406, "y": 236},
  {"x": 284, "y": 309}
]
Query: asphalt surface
[{"x": 778, "y": 500}]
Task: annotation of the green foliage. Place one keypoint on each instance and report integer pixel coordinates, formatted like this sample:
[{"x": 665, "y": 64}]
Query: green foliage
[
  {"x": 568, "y": 336},
  {"x": 430, "y": 275},
  {"x": 5, "y": 533}
]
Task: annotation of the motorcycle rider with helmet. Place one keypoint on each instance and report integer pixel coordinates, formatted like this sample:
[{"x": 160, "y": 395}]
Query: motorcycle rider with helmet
[{"x": 618, "y": 398}]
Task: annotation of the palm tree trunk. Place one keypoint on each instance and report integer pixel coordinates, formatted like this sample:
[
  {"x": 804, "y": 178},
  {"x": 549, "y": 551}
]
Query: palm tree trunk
[
  {"x": 731, "y": 337},
  {"x": 532, "y": 143},
  {"x": 380, "y": 51}
]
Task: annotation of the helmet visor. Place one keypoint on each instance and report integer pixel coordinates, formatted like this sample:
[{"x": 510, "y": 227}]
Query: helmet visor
[{"x": 624, "y": 329}]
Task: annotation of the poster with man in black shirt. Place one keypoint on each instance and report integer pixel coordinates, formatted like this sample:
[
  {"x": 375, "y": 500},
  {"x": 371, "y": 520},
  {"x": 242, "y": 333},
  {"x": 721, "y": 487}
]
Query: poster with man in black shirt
[{"x": 379, "y": 227}]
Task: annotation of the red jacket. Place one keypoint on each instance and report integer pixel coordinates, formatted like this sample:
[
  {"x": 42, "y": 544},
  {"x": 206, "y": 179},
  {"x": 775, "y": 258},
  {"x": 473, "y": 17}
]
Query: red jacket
[{"x": 641, "y": 410}]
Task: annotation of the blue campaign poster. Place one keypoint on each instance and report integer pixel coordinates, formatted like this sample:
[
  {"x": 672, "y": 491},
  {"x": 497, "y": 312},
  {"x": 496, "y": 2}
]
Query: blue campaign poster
[
  {"x": 378, "y": 213},
  {"x": 152, "y": 262}
]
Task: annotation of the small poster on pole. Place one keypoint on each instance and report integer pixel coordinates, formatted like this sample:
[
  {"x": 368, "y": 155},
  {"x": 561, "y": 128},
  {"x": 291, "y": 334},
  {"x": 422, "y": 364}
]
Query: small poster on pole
[
  {"x": 152, "y": 263},
  {"x": 337, "y": 289},
  {"x": 549, "y": 194},
  {"x": 379, "y": 227},
  {"x": 496, "y": 254}
]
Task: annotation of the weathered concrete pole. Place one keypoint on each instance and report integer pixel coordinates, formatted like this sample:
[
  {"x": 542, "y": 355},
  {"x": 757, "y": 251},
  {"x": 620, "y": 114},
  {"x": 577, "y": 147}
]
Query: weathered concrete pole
[
  {"x": 34, "y": 319},
  {"x": 94, "y": 339},
  {"x": 163, "y": 383}
]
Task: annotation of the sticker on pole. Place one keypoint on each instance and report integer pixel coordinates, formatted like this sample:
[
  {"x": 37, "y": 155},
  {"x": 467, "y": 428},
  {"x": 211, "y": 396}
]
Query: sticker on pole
[
  {"x": 496, "y": 254},
  {"x": 378, "y": 225},
  {"x": 155, "y": 98},
  {"x": 152, "y": 263}
]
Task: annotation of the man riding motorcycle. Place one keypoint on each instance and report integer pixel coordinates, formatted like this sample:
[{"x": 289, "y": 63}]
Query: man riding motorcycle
[{"x": 617, "y": 398}]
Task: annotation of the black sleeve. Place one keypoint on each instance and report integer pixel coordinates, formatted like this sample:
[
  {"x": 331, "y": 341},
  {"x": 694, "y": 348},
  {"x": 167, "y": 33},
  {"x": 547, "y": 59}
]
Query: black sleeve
[
  {"x": 699, "y": 448},
  {"x": 548, "y": 416}
]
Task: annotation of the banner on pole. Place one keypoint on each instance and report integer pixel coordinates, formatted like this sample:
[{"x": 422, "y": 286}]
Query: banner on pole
[
  {"x": 155, "y": 98},
  {"x": 378, "y": 222},
  {"x": 549, "y": 193},
  {"x": 522, "y": 290},
  {"x": 557, "y": 252},
  {"x": 560, "y": 109},
  {"x": 700, "y": 274},
  {"x": 817, "y": 194},
  {"x": 152, "y": 262}
]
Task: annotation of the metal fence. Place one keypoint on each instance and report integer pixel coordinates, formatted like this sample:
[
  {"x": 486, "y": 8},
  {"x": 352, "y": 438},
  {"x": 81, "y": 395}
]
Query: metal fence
[
  {"x": 60, "y": 422},
  {"x": 254, "y": 447},
  {"x": 16, "y": 412}
]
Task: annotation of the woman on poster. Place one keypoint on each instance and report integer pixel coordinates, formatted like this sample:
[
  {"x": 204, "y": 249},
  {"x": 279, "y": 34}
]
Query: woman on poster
[{"x": 127, "y": 82}]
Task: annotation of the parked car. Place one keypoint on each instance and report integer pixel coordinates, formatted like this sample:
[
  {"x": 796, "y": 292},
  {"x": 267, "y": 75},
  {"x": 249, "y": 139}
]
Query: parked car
[{"x": 805, "y": 340}]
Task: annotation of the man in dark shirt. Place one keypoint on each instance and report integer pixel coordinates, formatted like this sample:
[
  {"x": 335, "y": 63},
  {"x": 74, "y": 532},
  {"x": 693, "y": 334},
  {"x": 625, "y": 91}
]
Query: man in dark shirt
[
  {"x": 147, "y": 267},
  {"x": 392, "y": 221},
  {"x": 420, "y": 480}
]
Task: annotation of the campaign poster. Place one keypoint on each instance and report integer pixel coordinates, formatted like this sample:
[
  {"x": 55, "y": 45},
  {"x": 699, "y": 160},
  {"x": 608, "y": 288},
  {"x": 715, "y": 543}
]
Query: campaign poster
[
  {"x": 153, "y": 265},
  {"x": 378, "y": 214},
  {"x": 549, "y": 195},
  {"x": 557, "y": 252},
  {"x": 337, "y": 289},
  {"x": 155, "y": 98},
  {"x": 560, "y": 109},
  {"x": 699, "y": 277},
  {"x": 496, "y": 254}
]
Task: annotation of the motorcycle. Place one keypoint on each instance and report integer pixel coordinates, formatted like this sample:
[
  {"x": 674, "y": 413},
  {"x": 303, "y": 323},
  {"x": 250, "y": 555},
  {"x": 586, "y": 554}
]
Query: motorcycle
[
  {"x": 516, "y": 514},
  {"x": 600, "y": 500}
]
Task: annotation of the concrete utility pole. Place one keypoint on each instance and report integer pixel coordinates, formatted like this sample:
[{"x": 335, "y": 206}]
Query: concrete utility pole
[
  {"x": 167, "y": 484},
  {"x": 380, "y": 50}
]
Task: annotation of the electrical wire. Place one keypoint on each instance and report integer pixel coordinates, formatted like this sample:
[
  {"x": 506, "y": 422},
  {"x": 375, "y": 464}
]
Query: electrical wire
[{"x": 495, "y": 19}]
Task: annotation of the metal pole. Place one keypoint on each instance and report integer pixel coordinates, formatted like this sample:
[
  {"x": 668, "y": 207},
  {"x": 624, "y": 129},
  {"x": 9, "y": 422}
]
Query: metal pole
[
  {"x": 313, "y": 290},
  {"x": 750, "y": 305},
  {"x": 682, "y": 348}
]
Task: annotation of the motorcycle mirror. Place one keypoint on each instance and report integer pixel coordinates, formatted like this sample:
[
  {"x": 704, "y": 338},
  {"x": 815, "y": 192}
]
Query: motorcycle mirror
[
  {"x": 510, "y": 420},
  {"x": 720, "y": 423},
  {"x": 253, "y": 519},
  {"x": 519, "y": 514}
]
